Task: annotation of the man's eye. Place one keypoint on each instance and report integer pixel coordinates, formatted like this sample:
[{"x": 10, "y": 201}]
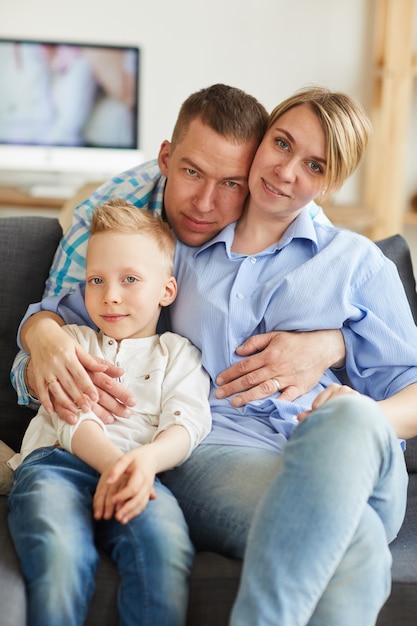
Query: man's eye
[
  {"x": 282, "y": 144},
  {"x": 191, "y": 172},
  {"x": 232, "y": 183}
]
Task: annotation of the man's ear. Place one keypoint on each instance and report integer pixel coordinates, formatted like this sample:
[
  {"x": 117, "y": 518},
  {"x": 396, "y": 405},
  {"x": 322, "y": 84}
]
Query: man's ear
[
  {"x": 163, "y": 157},
  {"x": 170, "y": 292}
]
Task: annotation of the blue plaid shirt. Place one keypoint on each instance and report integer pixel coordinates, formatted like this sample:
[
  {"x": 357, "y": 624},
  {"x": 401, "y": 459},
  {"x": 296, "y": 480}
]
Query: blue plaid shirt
[{"x": 142, "y": 186}]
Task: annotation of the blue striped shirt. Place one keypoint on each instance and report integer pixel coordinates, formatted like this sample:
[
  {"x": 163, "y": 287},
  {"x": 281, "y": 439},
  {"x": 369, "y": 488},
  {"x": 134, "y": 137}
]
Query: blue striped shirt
[
  {"x": 142, "y": 186},
  {"x": 315, "y": 277}
]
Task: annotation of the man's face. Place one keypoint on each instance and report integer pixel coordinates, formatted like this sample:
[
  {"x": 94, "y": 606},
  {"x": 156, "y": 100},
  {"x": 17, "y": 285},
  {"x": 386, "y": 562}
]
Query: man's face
[{"x": 207, "y": 182}]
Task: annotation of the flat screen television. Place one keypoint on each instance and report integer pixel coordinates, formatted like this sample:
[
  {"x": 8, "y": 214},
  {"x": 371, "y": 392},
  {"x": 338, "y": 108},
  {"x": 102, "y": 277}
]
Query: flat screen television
[{"x": 69, "y": 112}]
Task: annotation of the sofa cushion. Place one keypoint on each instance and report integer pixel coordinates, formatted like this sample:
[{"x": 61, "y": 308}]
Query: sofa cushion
[{"x": 27, "y": 247}]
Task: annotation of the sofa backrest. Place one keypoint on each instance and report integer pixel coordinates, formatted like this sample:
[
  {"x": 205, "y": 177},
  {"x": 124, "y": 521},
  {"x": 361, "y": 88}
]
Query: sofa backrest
[
  {"x": 27, "y": 247},
  {"x": 396, "y": 248}
]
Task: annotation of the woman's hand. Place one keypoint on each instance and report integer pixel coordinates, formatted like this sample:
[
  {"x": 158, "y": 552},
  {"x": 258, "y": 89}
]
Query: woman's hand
[
  {"x": 292, "y": 361},
  {"x": 65, "y": 378},
  {"x": 332, "y": 391}
]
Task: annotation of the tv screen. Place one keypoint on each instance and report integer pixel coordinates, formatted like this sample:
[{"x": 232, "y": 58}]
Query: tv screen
[
  {"x": 59, "y": 100},
  {"x": 59, "y": 94}
]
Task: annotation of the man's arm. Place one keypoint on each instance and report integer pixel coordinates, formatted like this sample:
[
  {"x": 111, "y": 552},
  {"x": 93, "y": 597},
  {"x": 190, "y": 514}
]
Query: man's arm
[{"x": 296, "y": 360}]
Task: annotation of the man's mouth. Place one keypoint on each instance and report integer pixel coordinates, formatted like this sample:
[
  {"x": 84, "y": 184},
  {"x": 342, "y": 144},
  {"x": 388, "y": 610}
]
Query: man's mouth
[{"x": 197, "y": 225}]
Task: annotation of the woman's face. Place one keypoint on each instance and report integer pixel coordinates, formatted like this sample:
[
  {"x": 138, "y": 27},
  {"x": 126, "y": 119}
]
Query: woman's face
[{"x": 290, "y": 164}]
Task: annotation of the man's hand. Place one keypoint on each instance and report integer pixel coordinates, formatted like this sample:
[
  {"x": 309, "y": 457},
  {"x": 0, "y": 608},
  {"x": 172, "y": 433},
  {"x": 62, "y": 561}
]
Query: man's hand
[{"x": 296, "y": 360}]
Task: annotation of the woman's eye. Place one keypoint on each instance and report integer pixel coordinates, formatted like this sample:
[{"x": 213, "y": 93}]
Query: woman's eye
[{"x": 315, "y": 167}]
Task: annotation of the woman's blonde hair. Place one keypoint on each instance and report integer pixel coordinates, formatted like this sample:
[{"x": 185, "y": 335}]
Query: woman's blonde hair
[
  {"x": 118, "y": 215},
  {"x": 346, "y": 127}
]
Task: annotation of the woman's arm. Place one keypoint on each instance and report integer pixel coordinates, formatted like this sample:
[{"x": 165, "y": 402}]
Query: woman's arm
[
  {"x": 63, "y": 375},
  {"x": 401, "y": 408}
]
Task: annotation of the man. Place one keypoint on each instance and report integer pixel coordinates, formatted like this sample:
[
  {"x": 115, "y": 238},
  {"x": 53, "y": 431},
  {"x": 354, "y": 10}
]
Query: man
[{"x": 199, "y": 184}]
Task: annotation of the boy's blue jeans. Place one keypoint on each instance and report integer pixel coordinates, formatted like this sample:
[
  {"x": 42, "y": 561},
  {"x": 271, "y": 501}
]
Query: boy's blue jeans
[
  {"x": 312, "y": 523},
  {"x": 55, "y": 536}
]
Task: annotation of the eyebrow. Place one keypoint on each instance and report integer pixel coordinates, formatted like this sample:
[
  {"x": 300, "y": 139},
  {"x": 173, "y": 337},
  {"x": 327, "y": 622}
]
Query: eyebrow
[
  {"x": 189, "y": 163},
  {"x": 291, "y": 138}
]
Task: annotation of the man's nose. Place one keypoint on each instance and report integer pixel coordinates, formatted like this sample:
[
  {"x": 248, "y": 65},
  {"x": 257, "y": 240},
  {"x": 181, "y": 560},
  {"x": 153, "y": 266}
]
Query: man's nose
[{"x": 204, "y": 200}]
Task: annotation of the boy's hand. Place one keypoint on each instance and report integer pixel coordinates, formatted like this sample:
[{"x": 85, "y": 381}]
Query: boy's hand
[{"x": 126, "y": 487}]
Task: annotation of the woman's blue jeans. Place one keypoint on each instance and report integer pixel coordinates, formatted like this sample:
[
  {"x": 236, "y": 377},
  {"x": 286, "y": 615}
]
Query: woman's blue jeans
[
  {"x": 56, "y": 538},
  {"x": 313, "y": 523}
]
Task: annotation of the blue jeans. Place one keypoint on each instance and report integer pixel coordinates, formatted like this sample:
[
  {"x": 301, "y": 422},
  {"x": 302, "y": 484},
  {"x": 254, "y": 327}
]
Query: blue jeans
[
  {"x": 312, "y": 523},
  {"x": 56, "y": 539}
]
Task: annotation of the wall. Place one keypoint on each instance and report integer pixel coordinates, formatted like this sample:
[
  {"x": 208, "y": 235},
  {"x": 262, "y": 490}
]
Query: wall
[
  {"x": 266, "y": 47},
  {"x": 269, "y": 48}
]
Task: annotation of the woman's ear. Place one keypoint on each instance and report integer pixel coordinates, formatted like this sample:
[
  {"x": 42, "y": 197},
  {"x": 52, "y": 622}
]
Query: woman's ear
[
  {"x": 170, "y": 292},
  {"x": 163, "y": 157}
]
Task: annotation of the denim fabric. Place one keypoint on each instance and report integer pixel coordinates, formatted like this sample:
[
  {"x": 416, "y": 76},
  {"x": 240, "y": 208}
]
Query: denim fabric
[
  {"x": 54, "y": 533},
  {"x": 316, "y": 520}
]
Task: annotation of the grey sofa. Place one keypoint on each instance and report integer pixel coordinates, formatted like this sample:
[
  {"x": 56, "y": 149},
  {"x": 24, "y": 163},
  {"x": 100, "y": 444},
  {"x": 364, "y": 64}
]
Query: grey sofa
[{"x": 27, "y": 245}]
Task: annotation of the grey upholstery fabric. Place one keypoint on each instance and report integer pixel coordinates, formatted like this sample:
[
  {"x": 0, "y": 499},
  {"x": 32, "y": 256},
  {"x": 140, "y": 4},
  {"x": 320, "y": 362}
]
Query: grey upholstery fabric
[
  {"x": 26, "y": 249},
  {"x": 27, "y": 246}
]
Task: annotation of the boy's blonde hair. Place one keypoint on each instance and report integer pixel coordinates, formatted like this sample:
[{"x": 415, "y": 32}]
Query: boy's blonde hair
[
  {"x": 119, "y": 216},
  {"x": 346, "y": 127}
]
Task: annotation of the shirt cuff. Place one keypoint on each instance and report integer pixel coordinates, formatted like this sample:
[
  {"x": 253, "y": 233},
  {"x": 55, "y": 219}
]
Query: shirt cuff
[{"x": 17, "y": 376}]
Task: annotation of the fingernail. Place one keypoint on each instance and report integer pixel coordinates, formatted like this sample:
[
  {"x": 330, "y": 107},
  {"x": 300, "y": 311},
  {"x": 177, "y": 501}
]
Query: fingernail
[
  {"x": 220, "y": 393},
  {"x": 219, "y": 380},
  {"x": 237, "y": 401}
]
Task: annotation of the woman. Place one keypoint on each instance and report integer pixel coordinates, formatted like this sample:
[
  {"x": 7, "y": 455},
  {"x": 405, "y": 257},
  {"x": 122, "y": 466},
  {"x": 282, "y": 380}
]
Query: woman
[{"x": 328, "y": 493}]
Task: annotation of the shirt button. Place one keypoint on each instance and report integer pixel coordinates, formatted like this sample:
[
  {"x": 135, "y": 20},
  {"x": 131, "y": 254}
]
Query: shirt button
[
  {"x": 147, "y": 376},
  {"x": 253, "y": 260},
  {"x": 240, "y": 296},
  {"x": 111, "y": 342},
  {"x": 177, "y": 412}
]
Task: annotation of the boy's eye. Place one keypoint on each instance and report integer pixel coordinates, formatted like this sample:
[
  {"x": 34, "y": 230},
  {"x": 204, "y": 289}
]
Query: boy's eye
[
  {"x": 96, "y": 281},
  {"x": 130, "y": 279}
]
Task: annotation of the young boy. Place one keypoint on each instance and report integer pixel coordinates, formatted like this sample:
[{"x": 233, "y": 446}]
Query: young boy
[{"x": 113, "y": 468}]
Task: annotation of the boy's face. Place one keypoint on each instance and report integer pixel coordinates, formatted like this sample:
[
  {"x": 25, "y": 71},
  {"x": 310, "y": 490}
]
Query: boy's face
[
  {"x": 127, "y": 282},
  {"x": 207, "y": 182}
]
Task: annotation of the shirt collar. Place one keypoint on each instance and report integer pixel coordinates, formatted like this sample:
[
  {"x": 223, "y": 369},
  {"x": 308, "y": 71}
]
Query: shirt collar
[{"x": 302, "y": 227}]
